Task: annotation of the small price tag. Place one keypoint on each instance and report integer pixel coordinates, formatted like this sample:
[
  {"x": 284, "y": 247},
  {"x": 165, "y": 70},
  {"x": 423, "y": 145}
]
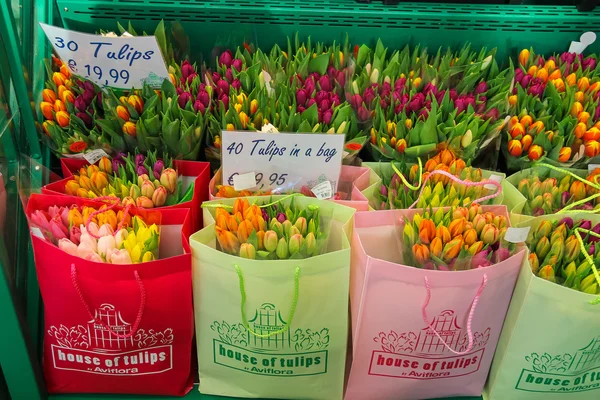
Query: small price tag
[
  {"x": 323, "y": 190},
  {"x": 585, "y": 40},
  {"x": 244, "y": 181},
  {"x": 495, "y": 178},
  {"x": 592, "y": 167},
  {"x": 37, "y": 232},
  {"x": 94, "y": 156},
  {"x": 516, "y": 235},
  {"x": 120, "y": 62}
]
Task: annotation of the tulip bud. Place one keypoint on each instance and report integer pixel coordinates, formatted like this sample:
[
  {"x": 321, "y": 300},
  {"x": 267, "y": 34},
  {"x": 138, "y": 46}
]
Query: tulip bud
[
  {"x": 130, "y": 129},
  {"x": 572, "y": 249},
  {"x": 475, "y": 248},
  {"x": 247, "y": 251},
  {"x": 543, "y": 229},
  {"x": 159, "y": 196},
  {"x": 420, "y": 253},
  {"x": 577, "y": 190},
  {"x": 295, "y": 243},
  {"x": 547, "y": 273},
  {"x": 147, "y": 189},
  {"x": 534, "y": 263},
  {"x": 426, "y": 231},
  {"x": 282, "y": 249},
  {"x": 436, "y": 247},
  {"x": 489, "y": 234},
  {"x": 443, "y": 233},
  {"x": 409, "y": 233},
  {"x": 470, "y": 237},
  {"x": 168, "y": 178},
  {"x": 311, "y": 244},
  {"x": 457, "y": 227},
  {"x": 270, "y": 241},
  {"x": 144, "y": 202},
  {"x": 123, "y": 113},
  {"x": 569, "y": 270},
  {"x": 542, "y": 248},
  {"x": 301, "y": 225},
  {"x": 452, "y": 249},
  {"x": 524, "y": 57}
]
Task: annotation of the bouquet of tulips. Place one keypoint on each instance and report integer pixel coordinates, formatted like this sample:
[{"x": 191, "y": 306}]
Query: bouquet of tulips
[
  {"x": 555, "y": 110},
  {"x": 566, "y": 252},
  {"x": 100, "y": 235},
  {"x": 417, "y": 102},
  {"x": 405, "y": 185},
  {"x": 143, "y": 181},
  {"x": 546, "y": 192},
  {"x": 455, "y": 239},
  {"x": 268, "y": 232}
]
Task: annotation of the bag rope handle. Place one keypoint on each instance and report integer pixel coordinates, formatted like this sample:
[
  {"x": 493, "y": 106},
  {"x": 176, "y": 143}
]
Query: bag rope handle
[
  {"x": 403, "y": 179},
  {"x": 286, "y": 326},
  {"x": 469, "y": 320},
  {"x": 588, "y": 257},
  {"x": 92, "y": 215},
  {"x": 466, "y": 183},
  {"x": 98, "y": 321},
  {"x": 229, "y": 207}
]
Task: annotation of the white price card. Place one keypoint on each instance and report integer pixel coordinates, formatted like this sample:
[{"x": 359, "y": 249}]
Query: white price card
[
  {"x": 244, "y": 181},
  {"x": 323, "y": 191},
  {"x": 516, "y": 235},
  {"x": 94, "y": 156},
  {"x": 282, "y": 161},
  {"x": 120, "y": 62}
]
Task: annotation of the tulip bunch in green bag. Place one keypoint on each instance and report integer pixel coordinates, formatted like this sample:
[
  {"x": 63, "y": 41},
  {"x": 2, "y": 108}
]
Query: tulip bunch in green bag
[
  {"x": 567, "y": 253},
  {"x": 268, "y": 232}
]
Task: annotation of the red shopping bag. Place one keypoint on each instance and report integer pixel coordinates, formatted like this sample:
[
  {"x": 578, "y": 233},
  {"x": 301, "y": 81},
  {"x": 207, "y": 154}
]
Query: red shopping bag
[
  {"x": 117, "y": 328},
  {"x": 190, "y": 171}
]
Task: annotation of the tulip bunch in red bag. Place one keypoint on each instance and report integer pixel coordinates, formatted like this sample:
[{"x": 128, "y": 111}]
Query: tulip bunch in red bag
[{"x": 460, "y": 238}]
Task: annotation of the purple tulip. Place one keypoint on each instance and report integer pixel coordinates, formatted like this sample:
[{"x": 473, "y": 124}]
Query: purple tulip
[
  {"x": 430, "y": 88},
  {"x": 85, "y": 117},
  {"x": 311, "y": 102},
  {"x": 564, "y": 199},
  {"x": 586, "y": 224},
  {"x": 340, "y": 78},
  {"x": 99, "y": 99},
  {"x": 141, "y": 170},
  {"x": 321, "y": 96},
  {"x": 481, "y": 88},
  {"x": 203, "y": 98},
  {"x": 525, "y": 80},
  {"x": 183, "y": 99},
  {"x": 309, "y": 86},
  {"x": 384, "y": 104},
  {"x": 493, "y": 113},
  {"x": 383, "y": 191},
  {"x": 400, "y": 84},
  {"x": 157, "y": 169},
  {"x": 335, "y": 100},
  {"x": 265, "y": 215},
  {"x": 226, "y": 58},
  {"x": 281, "y": 217},
  {"x": 460, "y": 105},
  {"x": 223, "y": 98},
  {"x": 324, "y": 105},
  {"x": 327, "y": 117},
  {"x": 199, "y": 107},
  {"x": 518, "y": 74},
  {"x": 590, "y": 63},
  {"x": 223, "y": 86},
  {"x": 500, "y": 255},
  {"x": 538, "y": 212},
  {"x": 480, "y": 259},
  {"x": 537, "y": 90},
  {"x": 325, "y": 83},
  {"x": 187, "y": 69},
  {"x": 301, "y": 97},
  {"x": 592, "y": 250},
  {"x": 236, "y": 84},
  {"x": 139, "y": 159},
  {"x": 540, "y": 61},
  {"x": 216, "y": 77},
  {"x": 567, "y": 221},
  {"x": 116, "y": 164},
  {"x": 300, "y": 109},
  {"x": 88, "y": 96},
  {"x": 369, "y": 95},
  {"x": 416, "y": 103},
  {"x": 480, "y": 108},
  {"x": 424, "y": 114},
  {"x": 229, "y": 75},
  {"x": 237, "y": 64},
  {"x": 356, "y": 101},
  {"x": 80, "y": 104},
  {"x": 597, "y": 113},
  {"x": 363, "y": 114}
]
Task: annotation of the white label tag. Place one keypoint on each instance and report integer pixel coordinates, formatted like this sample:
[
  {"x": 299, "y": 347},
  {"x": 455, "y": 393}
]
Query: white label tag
[
  {"x": 94, "y": 156},
  {"x": 592, "y": 167},
  {"x": 244, "y": 181},
  {"x": 323, "y": 190},
  {"x": 286, "y": 160},
  {"x": 118, "y": 62},
  {"x": 269, "y": 128},
  {"x": 585, "y": 40},
  {"x": 37, "y": 232},
  {"x": 495, "y": 178},
  {"x": 517, "y": 235}
]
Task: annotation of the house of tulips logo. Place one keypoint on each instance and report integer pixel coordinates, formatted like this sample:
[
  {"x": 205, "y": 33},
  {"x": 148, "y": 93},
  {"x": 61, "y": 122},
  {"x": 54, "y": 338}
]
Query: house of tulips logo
[
  {"x": 92, "y": 349},
  {"x": 563, "y": 373},
  {"x": 422, "y": 355},
  {"x": 297, "y": 352}
]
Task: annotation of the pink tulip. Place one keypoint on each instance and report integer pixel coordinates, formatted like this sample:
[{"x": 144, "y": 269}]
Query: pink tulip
[
  {"x": 105, "y": 230},
  {"x": 84, "y": 249},
  {"x": 325, "y": 83},
  {"x": 120, "y": 257},
  {"x": 57, "y": 230},
  {"x": 229, "y": 74},
  {"x": 236, "y": 84},
  {"x": 75, "y": 234},
  {"x": 223, "y": 87},
  {"x": 94, "y": 257},
  {"x": 237, "y": 64},
  {"x": 67, "y": 246},
  {"x": 92, "y": 228},
  {"x": 363, "y": 114},
  {"x": 105, "y": 246},
  {"x": 38, "y": 218},
  {"x": 226, "y": 58}
]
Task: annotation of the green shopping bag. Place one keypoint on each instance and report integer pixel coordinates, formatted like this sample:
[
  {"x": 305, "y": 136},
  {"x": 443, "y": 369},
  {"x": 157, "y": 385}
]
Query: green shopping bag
[
  {"x": 273, "y": 328},
  {"x": 550, "y": 342}
]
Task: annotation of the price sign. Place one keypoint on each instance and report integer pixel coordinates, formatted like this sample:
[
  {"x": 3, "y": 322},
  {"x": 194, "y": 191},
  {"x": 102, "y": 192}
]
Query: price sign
[
  {"x": 120, "y": 62},
  {"x": 282, "y": 160}
]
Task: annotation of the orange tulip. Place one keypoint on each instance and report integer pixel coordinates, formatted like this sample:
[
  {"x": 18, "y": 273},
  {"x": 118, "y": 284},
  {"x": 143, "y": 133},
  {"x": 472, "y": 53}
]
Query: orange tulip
[
  {"x": 512, "y": 100},
  {"x": 559, "y": 85},
  {"x": 47, "y": 109},
  {"x": 556, "y": 74},
  {"x": 67, "y": 96},
  {"x": 59, "y": 106},
  {"x": 550, "y": 65},
  {"x": 232, "y": 223},
  {"x": 65, "y": 70},
  {"x": 592, "y": 148},
  {"x": 436, "y": 247},
  {"x": 470, "y": 236},
  {"x": 532, "y": 70},
  {"x": 49, "y": 96},
  {"x": 542, "y": 74},
  {"x": 583, "y": 84},
  {"x": 71, "y": 187},
  {"x": 240, "y": 205},
  {"x": 584, "y": 117},
  {"x": 416, "y": 82},
  {"x": 579, "y": 96},
  {"x": 136, "y": 102},
  {"x": 515, "y": 148},
  {"x": 408, "y": 123},
  {"x": 452, "y": 249},
  {"x": 401, "y": 146},
  {"x": 421, "y": 253},
  {"x": 443, "y": 233},
  {"x": 457, "y": 227},
  {"x": 261, "y": 240},
  {"x": 245, "y": 228},
  {"x": 576, "y": 109},
  {"x": 229, "y": 242},
  {"x": 535, "y": 152},
  {"x": 577, "y": 190},
  {"x": 517, "y": 130},
  {"x": 393, "y": 142},
  {"x": 251, "y": 211},
  {"x": 58, "y": 78},
  {"x": 244, "y": 119},
  {"x": 523, "y": 57},
  {"x": 513, "y": 121},
  {"x": 571, "y": 79},
  {"x": 129, "y": 128},
  {"x": 564, "y": 154},
  {"x": 526, "y": 141},
  {"x": 123, "y": 113},
  {"x": 580, "y": 130},
  {"x": 591, "y": 134},
  {"x": 550, "y": 135},
  {"x": 594, "y": 87},
  {"x": 63, "y": 119},
  {"x": 526, "y": 120},
  {"x": 537, "y": 127},
  {"x": 426, "y": 231},
  {"x": 221, "y": 222},
  {"x": 46, "y": 125},
  {"x": 258, "y": 223},
  {"x": 446, "y": 156}
]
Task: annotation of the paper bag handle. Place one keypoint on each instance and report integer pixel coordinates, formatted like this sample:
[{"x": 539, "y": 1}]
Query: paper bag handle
[
  {"x": 98, "y": 321},
  {"x": 292, "y": 309},
  {"x": 92, "y": 215},
  {"x": 471, "y": 312},
  {"x": 466, "y": 183}
]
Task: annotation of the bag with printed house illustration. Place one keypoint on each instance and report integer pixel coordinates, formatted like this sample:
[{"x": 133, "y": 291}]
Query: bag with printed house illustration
[
  {"x": 190, "y": 173},
  {"x": 417, "y": 333},
  {"x": 550, "y": 344},
  {"x": 353, "y": 180},
  {"x": 273, "y": 328},
  {"x": 113, "y": 328}
]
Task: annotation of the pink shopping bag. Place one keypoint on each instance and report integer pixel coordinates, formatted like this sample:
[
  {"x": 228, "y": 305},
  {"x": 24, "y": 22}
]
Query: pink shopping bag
[
  {"x": 353, "y": 180},
  {"x": 417, "y": 333}
]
